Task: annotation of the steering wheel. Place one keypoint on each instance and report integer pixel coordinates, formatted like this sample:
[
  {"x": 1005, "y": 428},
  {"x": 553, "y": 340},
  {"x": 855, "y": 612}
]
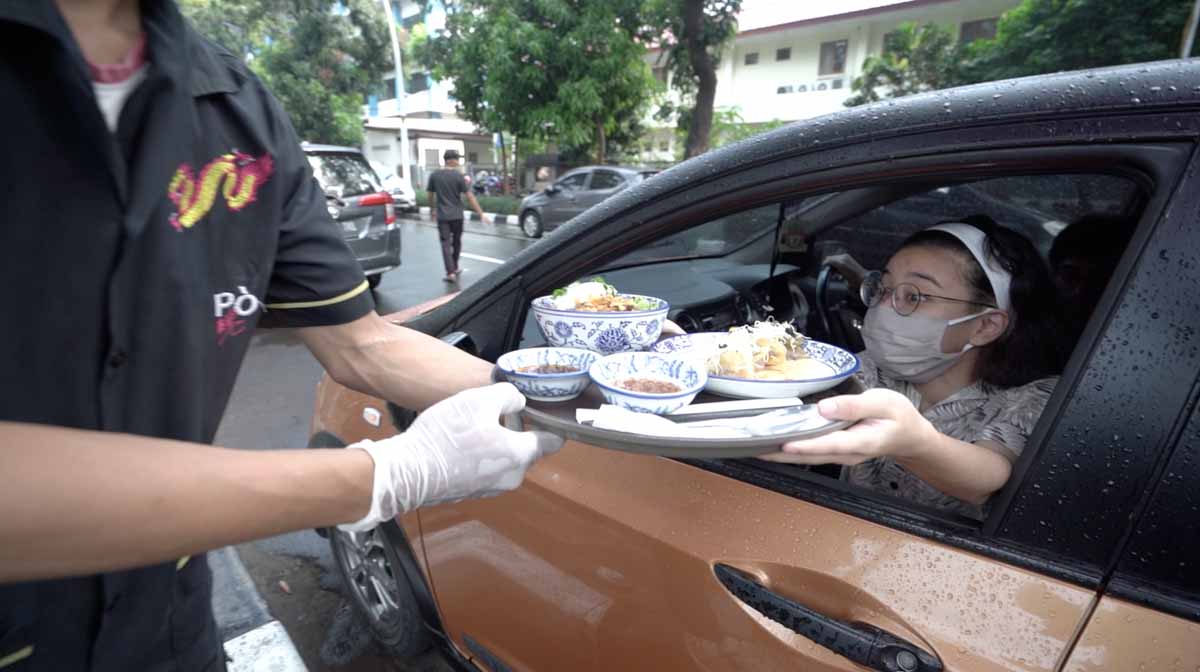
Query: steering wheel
[
  {"x": 823, "y": 311},
  {"x": 842, "y": 323}
]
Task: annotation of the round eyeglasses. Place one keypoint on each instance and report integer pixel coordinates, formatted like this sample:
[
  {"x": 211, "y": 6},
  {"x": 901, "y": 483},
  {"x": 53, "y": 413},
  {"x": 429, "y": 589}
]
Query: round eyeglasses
[{"x": 905, "y": 297}]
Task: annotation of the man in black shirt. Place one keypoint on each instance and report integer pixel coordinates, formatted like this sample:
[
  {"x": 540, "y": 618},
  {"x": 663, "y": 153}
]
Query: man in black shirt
[
  {"x": 160, "y": 208},
  {"x": 445, "y": 203}
]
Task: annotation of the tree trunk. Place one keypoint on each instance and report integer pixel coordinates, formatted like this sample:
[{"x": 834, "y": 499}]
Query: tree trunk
[
  {"x": 601, "y": 150},
  {"x": 518, "y": 172},
  {"x": 503, "y": 165},
  {"x": 706, "y": 79}
]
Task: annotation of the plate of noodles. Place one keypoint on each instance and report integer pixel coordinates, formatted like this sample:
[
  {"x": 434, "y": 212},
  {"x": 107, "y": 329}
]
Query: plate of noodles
[{"x": 764, "y": 360}]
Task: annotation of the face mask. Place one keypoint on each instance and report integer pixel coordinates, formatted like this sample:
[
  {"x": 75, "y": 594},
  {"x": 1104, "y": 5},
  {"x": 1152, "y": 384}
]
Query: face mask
[{"x": 909, "y": 347}]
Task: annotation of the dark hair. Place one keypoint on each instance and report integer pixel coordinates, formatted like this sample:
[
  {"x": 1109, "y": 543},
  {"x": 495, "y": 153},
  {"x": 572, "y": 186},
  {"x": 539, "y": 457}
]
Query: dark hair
[
  {"x": 1101, "y": 238},
  {"x": 1031, "y": 348}
]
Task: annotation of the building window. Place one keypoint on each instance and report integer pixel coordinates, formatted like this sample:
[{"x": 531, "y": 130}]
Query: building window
[
  {"x": 783, "y": 89},
  {"x": 837, "y": 83},
  {"x": 472, "y": 157},
  {"x": 784, "y": 54},
  {"x": 983, "y": 29},
  {"x": 431, "y": 159},
  {"x": 751, "y": 59},
  {"x": 833, "y": 58},
  {"x": 417, "y": 83},
  {"x": 664, "y": 146}
]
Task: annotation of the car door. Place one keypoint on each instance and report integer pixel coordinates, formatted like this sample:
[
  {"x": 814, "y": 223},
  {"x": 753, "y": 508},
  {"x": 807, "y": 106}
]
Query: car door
[
  {"x": 606, "y": 560},
  {"x": 1149, "y": 618},
  {"x": 563, "y": 204}
]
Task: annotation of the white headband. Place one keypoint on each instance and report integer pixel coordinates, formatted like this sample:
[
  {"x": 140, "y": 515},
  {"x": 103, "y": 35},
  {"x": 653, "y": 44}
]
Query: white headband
[{"x": 976, "y": 242}]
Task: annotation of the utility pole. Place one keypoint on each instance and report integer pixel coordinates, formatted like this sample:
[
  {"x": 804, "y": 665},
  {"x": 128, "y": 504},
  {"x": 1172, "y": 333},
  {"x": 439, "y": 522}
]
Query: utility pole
[
  {"x": 391, "y": 24},
  {"x": 1189, "y": 35}
]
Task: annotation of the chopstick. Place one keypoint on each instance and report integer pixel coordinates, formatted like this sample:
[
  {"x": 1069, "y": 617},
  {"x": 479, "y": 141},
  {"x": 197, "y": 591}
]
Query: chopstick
[{"x": 714, "y": 410}]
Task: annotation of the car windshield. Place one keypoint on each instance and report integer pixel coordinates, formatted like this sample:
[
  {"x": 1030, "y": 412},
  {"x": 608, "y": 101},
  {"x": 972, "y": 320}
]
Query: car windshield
[
  {"x": 344, "y": 174},
  {"x": 715, "y": 238}
]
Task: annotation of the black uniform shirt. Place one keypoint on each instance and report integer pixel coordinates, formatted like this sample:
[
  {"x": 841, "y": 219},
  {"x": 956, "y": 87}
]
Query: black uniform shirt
[{"x": 136, "y": 266}]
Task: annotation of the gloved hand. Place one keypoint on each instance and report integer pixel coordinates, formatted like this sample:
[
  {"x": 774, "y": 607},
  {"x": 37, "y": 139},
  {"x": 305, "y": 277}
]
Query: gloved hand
[{"x": 454, "y": 450}]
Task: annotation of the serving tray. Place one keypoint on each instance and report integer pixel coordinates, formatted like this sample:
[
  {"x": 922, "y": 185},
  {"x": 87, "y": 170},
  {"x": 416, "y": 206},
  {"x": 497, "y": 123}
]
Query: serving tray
[{"x": 559, "y": 418}]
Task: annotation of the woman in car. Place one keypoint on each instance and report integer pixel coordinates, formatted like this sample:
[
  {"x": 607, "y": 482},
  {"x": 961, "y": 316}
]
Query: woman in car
[{"x": 960, "y": 350}]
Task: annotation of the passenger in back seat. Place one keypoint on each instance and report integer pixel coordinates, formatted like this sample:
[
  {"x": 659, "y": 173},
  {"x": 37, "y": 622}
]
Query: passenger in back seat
[{"x": 1082, "y": 260}]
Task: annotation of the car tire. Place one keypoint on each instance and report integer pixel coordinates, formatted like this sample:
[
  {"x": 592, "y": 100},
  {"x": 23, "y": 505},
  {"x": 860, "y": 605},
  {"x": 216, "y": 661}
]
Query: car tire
[
  {"x": 379, "y": 590},
  {"x": 531, "y": 224},
  {"x": 374, "y": 280}
]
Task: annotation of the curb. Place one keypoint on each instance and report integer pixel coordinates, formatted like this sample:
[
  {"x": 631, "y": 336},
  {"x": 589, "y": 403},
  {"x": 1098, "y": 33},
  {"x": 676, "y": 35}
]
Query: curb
[
  {"x": 472, "y": 217},
  {"x": 253, "y": 639}
]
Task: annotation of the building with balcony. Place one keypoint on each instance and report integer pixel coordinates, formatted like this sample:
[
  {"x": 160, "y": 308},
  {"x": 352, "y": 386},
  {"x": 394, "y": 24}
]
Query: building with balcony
[
  {"x": 428, "y": 113},
  {"x": 798, "y": 62}
]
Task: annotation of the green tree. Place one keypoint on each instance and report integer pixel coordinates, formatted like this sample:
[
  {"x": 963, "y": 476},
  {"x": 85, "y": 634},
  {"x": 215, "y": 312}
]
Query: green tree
[
  {"x": 693, "y": 33},
  {"x": 319, "y": 57},
  {"x": 1040, "y": 36},
  {"x": 567, "y": 70},
  {"x": 914, "y": 59},
  {"x": 729, "y": 127}
]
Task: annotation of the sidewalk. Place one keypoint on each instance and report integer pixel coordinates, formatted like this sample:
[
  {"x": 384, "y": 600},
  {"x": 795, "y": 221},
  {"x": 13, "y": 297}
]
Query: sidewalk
[
  {"x": 469, "y": 216},
  {"x": 253, "y": 639}
]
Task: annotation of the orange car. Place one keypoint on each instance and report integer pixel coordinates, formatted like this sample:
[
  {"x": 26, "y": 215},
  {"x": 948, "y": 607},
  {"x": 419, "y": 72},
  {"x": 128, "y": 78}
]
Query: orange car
[{"x": 605, "y": 560}]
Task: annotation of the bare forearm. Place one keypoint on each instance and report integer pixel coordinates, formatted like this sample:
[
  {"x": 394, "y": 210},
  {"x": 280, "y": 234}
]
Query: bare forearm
[
  {"x": 80, "y": 502},
  {"x": 964, "y": 470},
  {"x": 474, "y": 204},
  {"x": 395, "y": 363}
]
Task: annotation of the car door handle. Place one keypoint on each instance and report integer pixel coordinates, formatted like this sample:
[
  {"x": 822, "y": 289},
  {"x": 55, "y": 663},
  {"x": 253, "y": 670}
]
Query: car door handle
[{"x": 859, "y": 642}]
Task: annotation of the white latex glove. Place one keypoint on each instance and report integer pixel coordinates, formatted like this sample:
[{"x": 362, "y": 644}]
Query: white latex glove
[{"x": 453, "y": 451}]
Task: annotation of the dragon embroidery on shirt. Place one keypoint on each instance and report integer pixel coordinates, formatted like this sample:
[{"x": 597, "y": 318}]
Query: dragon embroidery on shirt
[{"x": 238, "y": 176}]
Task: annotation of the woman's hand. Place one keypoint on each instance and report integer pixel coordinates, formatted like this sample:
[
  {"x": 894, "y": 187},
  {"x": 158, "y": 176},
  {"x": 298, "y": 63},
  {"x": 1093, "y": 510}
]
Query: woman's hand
[
  {"x": 848, "y": 267},
  {"x": 887, "y": 424}
]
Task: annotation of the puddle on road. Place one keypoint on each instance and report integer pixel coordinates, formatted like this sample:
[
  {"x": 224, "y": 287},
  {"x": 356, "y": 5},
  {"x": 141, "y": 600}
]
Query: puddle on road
[{"x": 349, "y": 637}]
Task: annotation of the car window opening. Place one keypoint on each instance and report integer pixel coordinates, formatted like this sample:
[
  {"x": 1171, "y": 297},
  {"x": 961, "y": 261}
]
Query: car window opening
[{"x": 1061, "y": 236}]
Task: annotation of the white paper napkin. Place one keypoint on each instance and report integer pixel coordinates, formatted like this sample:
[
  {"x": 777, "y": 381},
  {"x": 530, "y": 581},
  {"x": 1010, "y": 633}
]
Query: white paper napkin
[{"x": 624, "y": 420}]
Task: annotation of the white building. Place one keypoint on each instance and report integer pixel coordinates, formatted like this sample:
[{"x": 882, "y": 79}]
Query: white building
[
  {"x": 429, "y": 113},
  {"x": 798, "y": 69}
]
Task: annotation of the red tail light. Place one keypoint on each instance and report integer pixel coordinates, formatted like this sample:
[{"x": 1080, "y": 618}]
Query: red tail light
[{"x": 382, "y": 198}]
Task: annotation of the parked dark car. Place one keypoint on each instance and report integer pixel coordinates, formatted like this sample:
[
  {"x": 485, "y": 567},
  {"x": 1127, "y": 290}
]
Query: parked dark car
[
  {"x": 576, "y": 191},
  {"x": 360, "y": 205},
  {"x": 605, "y": 560}
]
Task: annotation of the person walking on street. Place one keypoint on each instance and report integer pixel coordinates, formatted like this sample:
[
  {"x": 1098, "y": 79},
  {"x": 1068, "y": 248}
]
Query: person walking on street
[
  {"x": 446, "y": 187},
  {"x": 184, "y": 216}
]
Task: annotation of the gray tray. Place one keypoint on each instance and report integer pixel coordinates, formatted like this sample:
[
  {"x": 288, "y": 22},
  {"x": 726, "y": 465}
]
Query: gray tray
[{"x": 559, "y": 418}]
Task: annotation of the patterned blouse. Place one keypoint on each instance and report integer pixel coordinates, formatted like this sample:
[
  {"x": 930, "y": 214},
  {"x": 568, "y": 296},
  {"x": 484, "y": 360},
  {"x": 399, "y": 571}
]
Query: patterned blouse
[{"x": 975, "y": 413}]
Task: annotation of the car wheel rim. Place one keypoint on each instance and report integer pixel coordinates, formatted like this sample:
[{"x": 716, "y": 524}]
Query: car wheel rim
[
  {"x": 369, "y": 574},
  {"x": 530, "y": 223}
]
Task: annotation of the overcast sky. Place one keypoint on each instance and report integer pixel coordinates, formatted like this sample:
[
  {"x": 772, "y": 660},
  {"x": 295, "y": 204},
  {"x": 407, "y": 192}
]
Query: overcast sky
[{"x": 759, "y": 13}]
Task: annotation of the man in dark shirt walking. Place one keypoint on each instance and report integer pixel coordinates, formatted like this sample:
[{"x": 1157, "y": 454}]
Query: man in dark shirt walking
[{"x": 446, "y": 187}]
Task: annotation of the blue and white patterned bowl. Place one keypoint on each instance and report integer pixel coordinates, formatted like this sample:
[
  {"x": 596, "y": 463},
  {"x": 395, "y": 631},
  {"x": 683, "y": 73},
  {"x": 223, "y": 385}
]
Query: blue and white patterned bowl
[
  {"x": 605, "y": 333},
  {"x": 610, "y": 370},
  {"x": 548, "y": 386},
  {"x": 697, "y": 347}
]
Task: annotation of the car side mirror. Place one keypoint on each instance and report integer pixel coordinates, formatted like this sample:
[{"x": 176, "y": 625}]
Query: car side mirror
[{"x": 553, "y": 189}]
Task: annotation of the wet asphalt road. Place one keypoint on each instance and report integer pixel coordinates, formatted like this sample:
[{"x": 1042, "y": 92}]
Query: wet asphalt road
[{"x": 270, "y": 408}]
